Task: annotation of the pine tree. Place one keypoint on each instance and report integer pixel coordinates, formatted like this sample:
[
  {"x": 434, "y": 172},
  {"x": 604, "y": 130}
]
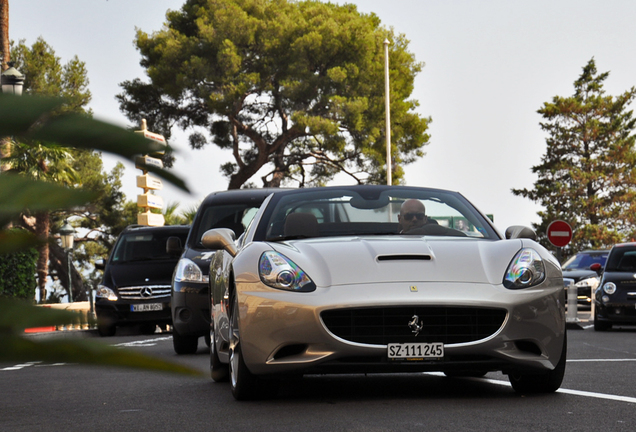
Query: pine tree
[{"x": 587, "y": 176}]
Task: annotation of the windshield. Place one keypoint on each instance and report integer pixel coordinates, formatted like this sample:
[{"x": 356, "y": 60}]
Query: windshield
[
  {"x": 622, "y": 259},
  {"x": 233, "y": 216},
  {"x": 145, "y": 246},
  {"x": 340, "y": 211},
  {"x": 583, "y": 261}
]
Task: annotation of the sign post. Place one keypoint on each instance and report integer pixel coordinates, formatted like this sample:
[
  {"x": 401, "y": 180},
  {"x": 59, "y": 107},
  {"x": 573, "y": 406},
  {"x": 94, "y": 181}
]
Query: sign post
[
  {"x": 148, "y": 200},
  {"x": 560, "y": 235}
]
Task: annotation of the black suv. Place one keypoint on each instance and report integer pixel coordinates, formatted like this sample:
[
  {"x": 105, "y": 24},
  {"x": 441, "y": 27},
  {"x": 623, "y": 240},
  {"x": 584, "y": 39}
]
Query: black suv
[
  {"x": 233, "y": 209},
  {"x": 135, "y": 288},
  {"x": 615, "y": 297}
]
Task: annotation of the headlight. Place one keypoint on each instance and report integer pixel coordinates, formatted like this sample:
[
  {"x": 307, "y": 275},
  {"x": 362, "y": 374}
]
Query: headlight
[
  {"x": 525, "y": 270},
  {"x": 278, "y": 271},
  {"x": 589, "y": 282},
  {"x": 609, "y": 288},
  {"x": 105, "y": 292},
  {"x": 188, "y": 271}
]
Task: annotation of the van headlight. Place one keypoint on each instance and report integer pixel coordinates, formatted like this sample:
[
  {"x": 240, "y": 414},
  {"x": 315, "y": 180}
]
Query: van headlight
[
  {"x": 188, "y": 271},
  {"x": 104, "y": 292}
]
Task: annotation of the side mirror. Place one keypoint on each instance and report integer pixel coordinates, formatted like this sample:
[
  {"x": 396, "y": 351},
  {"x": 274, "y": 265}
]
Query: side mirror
[
  {"x": 519, "y": 231},
  {"x": 173, "y": 246},
  {"x": 597, "y": 267},
  {"x": 220, "y": 238},
  {"x": 100, "y": 264}
]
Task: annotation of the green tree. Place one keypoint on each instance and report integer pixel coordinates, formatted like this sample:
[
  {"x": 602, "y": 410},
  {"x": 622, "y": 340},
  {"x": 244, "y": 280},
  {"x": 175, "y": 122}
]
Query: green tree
[
  {"x": 295, "y": 87},
  {"x": 587, "y": 176},
  {"x": 46, "y": 76}
]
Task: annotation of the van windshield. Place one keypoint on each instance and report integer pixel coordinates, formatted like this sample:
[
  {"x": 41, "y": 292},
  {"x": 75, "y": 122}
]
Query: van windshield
[{"x": 144, "y": 246}]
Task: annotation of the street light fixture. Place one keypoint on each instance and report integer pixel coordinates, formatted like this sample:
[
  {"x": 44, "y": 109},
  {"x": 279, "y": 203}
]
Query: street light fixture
[
  {"x": 66, "y": 234},
  {"x": 12, "y": 81}
]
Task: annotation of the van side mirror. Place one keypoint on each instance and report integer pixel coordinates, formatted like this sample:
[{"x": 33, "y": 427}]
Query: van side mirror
[
  {"x": 173, "y": 246},
  {"x": 220, "y": 238},
  {"x": 100, "y": 264},
  {"x": 519, "y": 231}
]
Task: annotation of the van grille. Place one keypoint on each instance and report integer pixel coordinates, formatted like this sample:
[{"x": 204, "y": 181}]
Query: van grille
[{"x": 145, "y": 292}]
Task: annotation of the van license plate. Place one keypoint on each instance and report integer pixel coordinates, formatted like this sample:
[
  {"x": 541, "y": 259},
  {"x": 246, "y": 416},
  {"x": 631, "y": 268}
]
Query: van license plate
[{"x": 146, "y": 307}]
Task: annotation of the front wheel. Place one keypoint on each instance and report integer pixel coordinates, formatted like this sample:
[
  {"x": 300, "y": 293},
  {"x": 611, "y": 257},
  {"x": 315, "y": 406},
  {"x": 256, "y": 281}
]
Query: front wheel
[
  {"x": 601, "y": 325},
  {"x": 184, "y": 344},
  {"x": 547, "y": 382},
  {"x": 218, "y": 370}
]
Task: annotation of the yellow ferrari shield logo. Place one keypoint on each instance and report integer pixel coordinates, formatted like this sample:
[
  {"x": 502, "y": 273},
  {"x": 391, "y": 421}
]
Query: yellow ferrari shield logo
[{"x": 413, "y": 288}]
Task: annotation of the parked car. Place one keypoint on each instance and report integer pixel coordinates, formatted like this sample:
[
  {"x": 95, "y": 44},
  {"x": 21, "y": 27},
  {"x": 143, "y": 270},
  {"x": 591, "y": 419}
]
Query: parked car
[
  {"x": 135, "y": 288},
  {"x": 364, "y": 279},
  {"x": 615, "y": 297},
  {"x": 586, "y": 279},
  {"x": 190, "y": 300}
]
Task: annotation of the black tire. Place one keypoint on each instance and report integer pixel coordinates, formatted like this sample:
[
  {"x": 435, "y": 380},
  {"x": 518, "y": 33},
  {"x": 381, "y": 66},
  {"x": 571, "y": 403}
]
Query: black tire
[
  {"x": 184, "y": 344},
  {"x": 601, "y": 325},
  {"x": 244, "y": 384},
  {"x": 147, "y": 329},
  {"x": 218, "y": 370},
  {"x": 106, "y": 330},
  {"x": 547, "y": 382}
]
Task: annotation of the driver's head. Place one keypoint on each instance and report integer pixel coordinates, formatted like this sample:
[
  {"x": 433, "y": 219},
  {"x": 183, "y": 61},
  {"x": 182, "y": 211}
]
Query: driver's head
[{"x": 412, "y": 215}]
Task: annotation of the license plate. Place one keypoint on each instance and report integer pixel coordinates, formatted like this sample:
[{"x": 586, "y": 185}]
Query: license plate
[
  {"x": 146, "y": 307},
  {"x": 416, "y": 351}
]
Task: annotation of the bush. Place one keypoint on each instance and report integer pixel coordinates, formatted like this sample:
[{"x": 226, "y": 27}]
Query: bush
[{"x": 17, "y": 274}]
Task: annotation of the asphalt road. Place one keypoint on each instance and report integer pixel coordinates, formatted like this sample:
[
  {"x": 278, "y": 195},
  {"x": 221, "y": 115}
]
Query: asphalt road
[{"x": 598, "y": 394}]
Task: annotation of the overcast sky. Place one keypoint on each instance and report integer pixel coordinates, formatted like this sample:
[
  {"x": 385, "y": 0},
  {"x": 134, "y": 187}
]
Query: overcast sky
[{"x": 489, "y": 66}]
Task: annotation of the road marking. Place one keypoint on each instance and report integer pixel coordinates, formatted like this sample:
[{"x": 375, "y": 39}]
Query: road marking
[
  {"x": 142, "y": 343},
  {"x": 601, "y": 360},
  {"x": 576, "y": 392}
]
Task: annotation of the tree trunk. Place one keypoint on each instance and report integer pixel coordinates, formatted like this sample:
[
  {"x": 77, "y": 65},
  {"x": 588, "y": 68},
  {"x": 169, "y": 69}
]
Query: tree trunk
[
  {"x": 42, "y": 231},
  {"x": 5, "y": 143}
]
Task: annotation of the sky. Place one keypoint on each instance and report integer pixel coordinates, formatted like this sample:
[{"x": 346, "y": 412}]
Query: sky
[{"x": 489, "y": 66}]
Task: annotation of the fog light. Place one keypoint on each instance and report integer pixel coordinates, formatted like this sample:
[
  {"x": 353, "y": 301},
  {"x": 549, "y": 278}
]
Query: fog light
[
  {"x": 185, "y": 315},
  {"x": 605, "y": 299}
]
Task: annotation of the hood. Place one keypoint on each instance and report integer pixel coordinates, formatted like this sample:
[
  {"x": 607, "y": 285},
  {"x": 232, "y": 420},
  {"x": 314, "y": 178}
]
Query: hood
[
  {"x": 139, "y": 273},
  {"x": 578, "y": 275},
  {"x": 341, "y": 261}
]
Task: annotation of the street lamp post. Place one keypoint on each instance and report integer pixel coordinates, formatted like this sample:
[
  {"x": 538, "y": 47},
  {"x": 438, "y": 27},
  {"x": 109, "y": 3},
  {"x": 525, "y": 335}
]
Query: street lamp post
[
  {"x": 12, "y": 81},
  {"x": 66, "y": 234}
]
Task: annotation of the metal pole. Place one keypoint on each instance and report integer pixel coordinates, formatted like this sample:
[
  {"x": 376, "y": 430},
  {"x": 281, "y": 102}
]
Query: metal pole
[
  {"x": 387, "y": 108},
  {"x": 70, "y": 279}
]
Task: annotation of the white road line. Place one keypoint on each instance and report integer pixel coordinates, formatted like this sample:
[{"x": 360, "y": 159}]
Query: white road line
[
  {"x": 600, "y": 360},
  {"x": 577, "y": 392},
  {"x": 147, "y": 342}
]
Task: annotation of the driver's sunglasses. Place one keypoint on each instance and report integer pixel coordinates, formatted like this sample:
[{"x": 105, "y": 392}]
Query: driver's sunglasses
[{"x": 410, "y": 216}]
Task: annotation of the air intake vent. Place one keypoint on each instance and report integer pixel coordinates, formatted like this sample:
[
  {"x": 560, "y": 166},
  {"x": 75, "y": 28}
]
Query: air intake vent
[{"x": 404, "y": 257}]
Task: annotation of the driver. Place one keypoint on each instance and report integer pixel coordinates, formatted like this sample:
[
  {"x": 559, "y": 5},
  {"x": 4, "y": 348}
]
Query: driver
[{"x": 413, "y": 215}]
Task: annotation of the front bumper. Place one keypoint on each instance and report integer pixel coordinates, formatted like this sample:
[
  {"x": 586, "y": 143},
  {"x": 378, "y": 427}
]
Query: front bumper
[
  {"x": 283, "y": 332},
  {"x": 623, "y": 312},
  {"x": 120, "y": 312},
  {"x": 191, "y": 308}
]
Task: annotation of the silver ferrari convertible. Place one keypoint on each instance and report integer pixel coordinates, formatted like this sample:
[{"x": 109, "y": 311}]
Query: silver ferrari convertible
[{"x": 366, "y": 279}]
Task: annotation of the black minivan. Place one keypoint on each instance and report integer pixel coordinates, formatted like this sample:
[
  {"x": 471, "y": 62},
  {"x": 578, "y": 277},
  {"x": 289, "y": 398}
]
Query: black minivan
[
  {"x": 232, "y": 209},
  {"x": 135, "y": 288}
]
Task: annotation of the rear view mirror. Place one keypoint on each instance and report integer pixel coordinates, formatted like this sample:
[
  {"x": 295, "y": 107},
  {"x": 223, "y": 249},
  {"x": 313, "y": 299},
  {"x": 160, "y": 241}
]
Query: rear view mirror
[
  {"x": 519, "y": 231},
  {"x": 597, "y": 267},
  {"x": 100, "y": 264},
  {"x": 173, "y": 246}
]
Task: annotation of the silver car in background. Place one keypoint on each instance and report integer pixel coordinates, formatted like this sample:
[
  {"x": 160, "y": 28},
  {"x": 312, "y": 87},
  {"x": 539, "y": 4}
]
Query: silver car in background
[{"x": 351, "y": 279}]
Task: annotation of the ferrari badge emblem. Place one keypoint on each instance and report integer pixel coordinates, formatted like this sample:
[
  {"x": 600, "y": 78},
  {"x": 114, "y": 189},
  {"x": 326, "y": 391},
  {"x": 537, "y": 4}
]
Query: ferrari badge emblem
[
  {"x": 413, "y": 288},
  {"x": 415, "y": 325}
]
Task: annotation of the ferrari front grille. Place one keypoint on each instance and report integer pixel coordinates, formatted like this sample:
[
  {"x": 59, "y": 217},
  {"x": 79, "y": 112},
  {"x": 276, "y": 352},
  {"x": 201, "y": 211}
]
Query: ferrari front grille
[{"x": 384, "y": 325}]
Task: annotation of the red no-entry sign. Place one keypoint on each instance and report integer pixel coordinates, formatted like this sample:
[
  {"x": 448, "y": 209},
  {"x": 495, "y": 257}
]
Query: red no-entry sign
[{"x": 559, "y": 233}]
